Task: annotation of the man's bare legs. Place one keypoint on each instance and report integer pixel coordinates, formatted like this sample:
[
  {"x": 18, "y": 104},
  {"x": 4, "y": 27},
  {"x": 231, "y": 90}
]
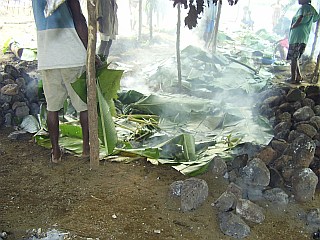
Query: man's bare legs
[
  {"x": 85, "y": 133},
  {"x": 53, "y": 127},
  {"x": 295, "y": 71}
]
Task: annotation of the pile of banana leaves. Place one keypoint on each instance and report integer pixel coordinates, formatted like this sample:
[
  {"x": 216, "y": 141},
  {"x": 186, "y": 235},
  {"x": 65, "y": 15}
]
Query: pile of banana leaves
[{"x": 184, "y": 130}]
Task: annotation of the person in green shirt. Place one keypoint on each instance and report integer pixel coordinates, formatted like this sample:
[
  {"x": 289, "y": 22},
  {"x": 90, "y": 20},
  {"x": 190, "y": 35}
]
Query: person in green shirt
[{"x": 299, "y": 35}]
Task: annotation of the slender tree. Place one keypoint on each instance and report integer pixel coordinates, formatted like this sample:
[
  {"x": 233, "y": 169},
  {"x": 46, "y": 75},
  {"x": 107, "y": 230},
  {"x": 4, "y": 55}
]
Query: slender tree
[
  {"x": 316, "y": 36},
  {"x": 92, "y": 87},
  {"x": 140, "y": 20},
  {"x": 216, "y": 28},
  {"x": 178, "y": 47}
]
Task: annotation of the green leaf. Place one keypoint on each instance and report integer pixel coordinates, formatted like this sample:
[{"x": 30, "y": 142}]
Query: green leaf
[{"x": 107, "y": 131}]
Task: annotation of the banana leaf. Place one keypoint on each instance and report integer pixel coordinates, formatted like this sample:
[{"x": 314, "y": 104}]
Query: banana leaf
[
  {"x": 106, "y": 128},
  {"x": 109, "y": 82}
]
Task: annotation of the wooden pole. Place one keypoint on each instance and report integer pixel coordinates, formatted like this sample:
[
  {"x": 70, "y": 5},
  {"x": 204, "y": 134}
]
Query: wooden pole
[
  {"x": 316, "y": 36},
  {"x": 178, "y": 47},
  {"x": 140, "y": 20},
  {"x": 92, "y": 85},
  {"x": 216, "y": 27}
]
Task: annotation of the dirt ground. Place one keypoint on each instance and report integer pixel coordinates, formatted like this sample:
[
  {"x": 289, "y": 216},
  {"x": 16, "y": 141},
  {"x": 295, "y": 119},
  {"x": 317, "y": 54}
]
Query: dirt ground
[{"x": 118, "y": 201}]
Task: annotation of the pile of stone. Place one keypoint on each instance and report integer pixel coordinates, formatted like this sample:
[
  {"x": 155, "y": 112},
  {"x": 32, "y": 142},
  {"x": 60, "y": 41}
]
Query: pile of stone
[
  {"x": 18, "y": 93},
  {"x": 293, "y": 154},
  {"x": 286, "y": 170}
]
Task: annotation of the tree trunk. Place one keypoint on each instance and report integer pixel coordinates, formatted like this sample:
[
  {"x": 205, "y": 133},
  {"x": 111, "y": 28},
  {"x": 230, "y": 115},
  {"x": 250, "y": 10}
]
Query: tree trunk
[
  {"x": 216, "y": 28},
  {"x": 315, "y": 78},
  {"x": 92, "y": 85},
  {"x": 140, "y": 20},
  {"x": 178, "y": 47},
  {"x": 150, "y": 20},
  {"x": 316, "y": 35}
]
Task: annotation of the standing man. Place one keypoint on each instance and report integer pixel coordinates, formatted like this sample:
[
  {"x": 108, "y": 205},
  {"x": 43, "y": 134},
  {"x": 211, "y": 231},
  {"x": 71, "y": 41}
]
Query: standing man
[
  {"x": 108, "y": 25},
  {"x": 62, "y": 42},
  {"x": 299, "y": 35}
]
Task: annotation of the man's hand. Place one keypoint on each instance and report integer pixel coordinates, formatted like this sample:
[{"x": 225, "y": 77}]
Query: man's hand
[{"x": 98, "y": 62}]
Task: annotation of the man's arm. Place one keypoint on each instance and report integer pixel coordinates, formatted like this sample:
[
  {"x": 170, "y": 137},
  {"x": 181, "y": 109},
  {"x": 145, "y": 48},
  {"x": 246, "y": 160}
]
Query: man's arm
[
  {"x": 79, "y": 21},
  {"x": 296, "y": 24}
]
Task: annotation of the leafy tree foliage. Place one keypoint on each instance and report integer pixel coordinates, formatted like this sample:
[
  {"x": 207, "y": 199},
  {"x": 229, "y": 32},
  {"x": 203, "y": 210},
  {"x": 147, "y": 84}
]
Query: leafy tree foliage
[{"x": 196, "y": 7}]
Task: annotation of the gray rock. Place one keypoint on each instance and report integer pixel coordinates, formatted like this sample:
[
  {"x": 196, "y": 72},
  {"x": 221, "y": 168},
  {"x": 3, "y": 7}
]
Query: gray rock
[
  {"x": 308, "y": 102},
  {"x": 21, "y": 82},
  {"x": 295, "y": 95},
  {"x": 279, "y": 145},
  {"x": 316, "y": 110},
  {"x": 267, "y": 155},
  {"x": 10, "y": 89},
  {"x": 232, "y": 225},
  {"x": 304, "y": 182},
  {"x": 286, "y": 107},
  {"x": 5, "y": 98},
  {"x": 219, "y": 167},
  {"x": 226, "y": 202},
  {"x": 235, "y": 189},
  {"x": 8, "y": 120},
  {"x": 315, "y": 121},
  {"x": 5, "y": 107},
  {"x": 250, "y": 211},
  {"x": 273, "y": 101},
  {"x": 22, "y": 111},
  {"x": 194, "y": 192},
  {"x": 284, "y": 117},
  {"x": 276, "y": 196},
  {"x": 276, "y": 180},
  {"x": 313, "y": 216},
  {"x": 254, "y": 193},
  {"x": 13, "y": 71},
  {"x": 303, "y": 114},
  {"x": 307, "y": 129},
  {"x": 175, "y": 188},
  {"x": 302, "y": 151},
  {"x": 256, "y": 173},
  {"x": 282, "y": 126}
]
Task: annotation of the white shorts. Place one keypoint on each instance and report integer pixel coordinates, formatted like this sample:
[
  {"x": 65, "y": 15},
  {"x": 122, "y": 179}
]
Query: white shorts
[{"x": 57, "y": 87}]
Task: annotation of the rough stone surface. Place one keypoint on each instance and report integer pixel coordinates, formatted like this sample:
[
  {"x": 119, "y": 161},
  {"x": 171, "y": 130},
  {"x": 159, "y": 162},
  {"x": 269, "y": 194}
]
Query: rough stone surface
[
  {"x": 304, "y": 182},
  {"x": 302, "y": 151},
  {"x": 175, "y": 189},
  {"x": 256, "y": 173},
  {"x": 303, "y": 114},
  {"x": 194, "y": 192},
  {"x": 315, "y": 121},
  {"x": 22, "y": 111},
  {"x": 295, "y": 95},
  {"x": 279, "y": 145},
  {"x": 307, "y": 129},
  {"x": 226, "y": 202},
  {"x": 232, "y": 225},
  {"x": 250, "y": 211},
  {"x": 235, "y": 189},
  {"x": 10, "y": 89},
  {"x": 313, "y": 216},
  {"x": 219, "y": 167},
  {"x": 267, "y": 155},
  {"x": 276, "y": 196}
]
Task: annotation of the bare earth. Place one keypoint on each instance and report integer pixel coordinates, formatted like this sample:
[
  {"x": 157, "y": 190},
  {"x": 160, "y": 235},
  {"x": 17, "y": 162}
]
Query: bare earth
[{"x": 118, "y": 201}]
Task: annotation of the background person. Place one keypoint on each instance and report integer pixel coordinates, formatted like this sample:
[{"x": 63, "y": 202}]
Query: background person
[
  {"x": 108, "y": 25},
  {"x": 299, "y": 35}
]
